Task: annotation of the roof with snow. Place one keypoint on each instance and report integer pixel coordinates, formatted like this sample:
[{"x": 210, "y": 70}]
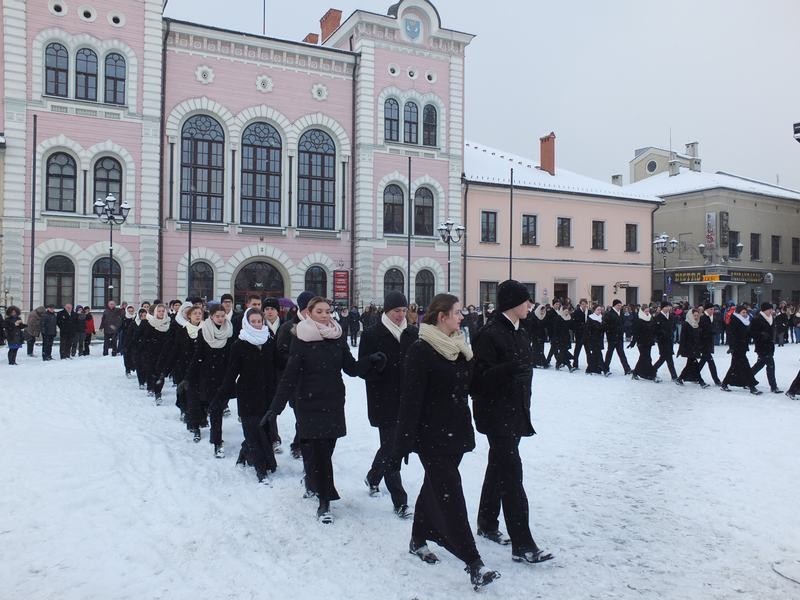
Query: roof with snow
[
  {"x": 688, "y": 181},
  {"x": 483, "y": 164}
]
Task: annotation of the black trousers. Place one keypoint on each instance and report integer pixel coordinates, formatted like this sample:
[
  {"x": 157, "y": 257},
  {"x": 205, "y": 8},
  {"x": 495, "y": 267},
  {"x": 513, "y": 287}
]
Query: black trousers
[
  {"x": 440, "y": 514},
  {"x": 317, "y": 456},
  {"x": 578, "y": 347},
  {"x": 259, "y": 450},
  {"x": 86, "y": 343},
  {"x": 707, "y": 358},
  {"x": 47, "y": 346},
  {"x": 353, "y": 335},
  {"x": 794, "y": 389},
  {"x": 665, "y": 356},
  {"x": 109, "y": 343},
  {"x": 383, "y": 467},
  {"x": 766, "y": 361},
  {"x": 503, "y": 488},
  {"x": 30, "y": 342},
  {"x": 12, "y": 356},
  {"x": 619, "y": 347},
  {"x": 64, "y": 345},
  {"x": 130, "y": 362}
]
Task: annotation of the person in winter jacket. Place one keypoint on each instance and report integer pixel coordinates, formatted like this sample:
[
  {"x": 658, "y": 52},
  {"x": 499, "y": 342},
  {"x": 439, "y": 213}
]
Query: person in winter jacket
[
  {"x": 354, "y": 325},
  {"x": 739, "y": 373},
  {"x": 690, "y": 347},
  {"x": 644, "y": 337},
  {"x": 501, "y": 400},
  {"x": 781, "y": 325},
  {"x": 613, "y": 325},
  {"x": 79, "y": 340},
  {"x": 133, "y": 346},
  {"x": 110, "y": 323},
  {"x": 155, "y": 338},
  {"x": 313, "y": 377},
  {"x": 579, "y": 316},
  {"x": 794, "y": 390},
  {"x": 127, "y": 332},
  {"x": 435, "y": 422},
  {"x": 392, "y": 336},
  {"x": 67, "y": 321},
  {"x": 593, "y": 342},
  {"x": 251, "y": 373},
  {"x": 562, "y": 325},
  {"x": 207, "y": 369},
  {"x": 253, "y": 301},
  {"x": 534, "y": 324},
  {"x": 762, "y": 330},
  {"x": 707, "y": 336},
  {"x": 89, "y": 331},
  {"x": 34, "y": 328},
  {"x": 48, "y": 328},
  {"x": 13, "y": 327},
  {"x": 186, "y": 341},
  {"x": 664, "y": 336}
]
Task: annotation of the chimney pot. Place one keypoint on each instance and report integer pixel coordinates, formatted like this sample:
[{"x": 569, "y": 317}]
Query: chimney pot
[
  {"x": 616, "y": 180},
  {"x": 547, "y": 153},
  {"x": 694, "y": 165},
  {"x": 674, "y": 167},
  {"x": 692, "y": 149},
  {"x": 329, "y": 23},
  {"x": 311, "y": 38}
]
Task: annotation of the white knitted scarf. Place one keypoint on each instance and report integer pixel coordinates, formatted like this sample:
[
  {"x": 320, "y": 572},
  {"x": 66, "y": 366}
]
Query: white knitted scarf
[
  {"x": 395, "y": 330},
  {"x": 251, "y": 335},
  {"x": 215, "y": 335}
]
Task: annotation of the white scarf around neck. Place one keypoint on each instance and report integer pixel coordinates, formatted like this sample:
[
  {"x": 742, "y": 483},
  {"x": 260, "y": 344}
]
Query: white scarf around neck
[
  {"x": 448, "y": 346},
  {"x": 691, "y": 320},
  {"x": 644, "y": 316},
  {"x": 745, "y": 320},
  {"x": 180, "y": 318},
  {"x": 215, "y": 336},
  {"x": 251, "y": 335},
  {"x": 540, "y": 311},
  {"x": 395, "y": 330},
  {"x": 273, "y": 326},
  {"x": 766, "y": 318},
  {"x": 309, "y": 330},
  {"x": 161, "y": 325},
  {"x": 594, "y": 317}
]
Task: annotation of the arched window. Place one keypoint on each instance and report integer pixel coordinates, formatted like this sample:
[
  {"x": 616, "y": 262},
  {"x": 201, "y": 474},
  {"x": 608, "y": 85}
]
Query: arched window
[
  {"x": 105, "y": 283},
  {"x": 316, "y": 181},
  {"x": 86, "y": 75},
  {"x": 59, "y": 281},
  {"x": 317, "y": 281},
  {"x": 423, "y": 211},
  {"x": 56, "y": 69},
  {"x": 115, "y": 78},
  {"x": 391, "y": 120},
  {"x": 261, "y": 175},
  {"x": 260, "y": 278},
  {"x": 393, "y": 281},
  {"x": 61, "y": 181},
  {"x": 411, "y": 123},
  {"x": 392, "y": 209},
  {"x": 429, "y": 125},
  {"x": 423, "y": 288},
  {"x": 108, "y": 179},
  {"x": 201, "y": 280},
  {"x": 202, "y": 169}
]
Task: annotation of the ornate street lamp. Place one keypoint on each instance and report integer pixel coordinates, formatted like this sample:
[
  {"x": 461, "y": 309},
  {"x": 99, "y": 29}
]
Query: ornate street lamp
[
  {"x": 108, "y": 212},
  {"x": 450, "y": 234},
  {"x": 663, "y": 245}
]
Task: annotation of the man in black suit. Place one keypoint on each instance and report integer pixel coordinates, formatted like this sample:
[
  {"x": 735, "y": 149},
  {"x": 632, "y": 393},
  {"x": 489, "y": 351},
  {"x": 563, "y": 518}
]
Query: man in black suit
[
  {"x": 579, "y": 317},
  {"x": 707, "y": 342},
  {"x": 762, "y": 330},
  {"x": 664, "y": 332},
  {"x": 612, "y": 322}
]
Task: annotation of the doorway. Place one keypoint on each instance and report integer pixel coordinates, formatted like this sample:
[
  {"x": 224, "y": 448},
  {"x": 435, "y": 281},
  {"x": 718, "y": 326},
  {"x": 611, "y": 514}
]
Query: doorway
[
  {"x": 560, "y": 291},
  {"x": 258, "y": 277}
]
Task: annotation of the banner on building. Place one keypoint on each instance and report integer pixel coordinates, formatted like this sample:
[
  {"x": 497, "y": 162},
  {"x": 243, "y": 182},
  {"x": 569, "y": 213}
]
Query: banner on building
[
  {"x": 341, "y": 285},
  {"x": 724, "y": 229},
  {"x": 711, "y": 230}
]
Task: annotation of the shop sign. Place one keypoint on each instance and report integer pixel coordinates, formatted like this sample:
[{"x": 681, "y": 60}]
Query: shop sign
[{"x": 341, "y": 285}]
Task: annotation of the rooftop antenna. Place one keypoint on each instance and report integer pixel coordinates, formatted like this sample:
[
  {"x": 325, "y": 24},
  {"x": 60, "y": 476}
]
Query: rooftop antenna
[
  {"x": 670, "y": 144},
  {"x": 264, "y": 20}
]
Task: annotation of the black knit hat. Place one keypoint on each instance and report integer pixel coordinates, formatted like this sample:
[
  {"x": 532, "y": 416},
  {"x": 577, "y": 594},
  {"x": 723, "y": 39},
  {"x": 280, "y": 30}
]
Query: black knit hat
[
  {"x": 303, "y": 299},
  {"x": 270, "y": 303},
  {"x": 665, "y": 304},
  {"x": 511, "y": 293},
  {"x": 707, "y": 305},
  {"x": 766, "y": 306},
  {"x": 394, "y": 300}
]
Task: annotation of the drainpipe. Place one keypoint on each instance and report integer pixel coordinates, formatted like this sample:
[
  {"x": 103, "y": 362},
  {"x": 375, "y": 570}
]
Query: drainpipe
[
  {"x": 353, "y": 289},
  {"x": 161, "y": 224},
  {"x": 466, "y": 234}
]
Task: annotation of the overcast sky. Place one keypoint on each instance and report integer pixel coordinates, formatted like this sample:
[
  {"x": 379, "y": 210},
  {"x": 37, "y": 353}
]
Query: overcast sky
[{"x": 607, "y": 77}]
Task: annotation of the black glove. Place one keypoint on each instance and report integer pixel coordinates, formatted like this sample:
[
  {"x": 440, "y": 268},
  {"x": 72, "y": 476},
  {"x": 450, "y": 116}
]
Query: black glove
[
  {"x": 378, "y": 361},
  {"x": 267, "y": 418}
]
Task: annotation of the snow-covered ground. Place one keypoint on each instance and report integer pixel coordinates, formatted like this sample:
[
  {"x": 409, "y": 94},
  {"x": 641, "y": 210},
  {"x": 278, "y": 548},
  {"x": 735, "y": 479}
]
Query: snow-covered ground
[{"x": 640, "y": 490}]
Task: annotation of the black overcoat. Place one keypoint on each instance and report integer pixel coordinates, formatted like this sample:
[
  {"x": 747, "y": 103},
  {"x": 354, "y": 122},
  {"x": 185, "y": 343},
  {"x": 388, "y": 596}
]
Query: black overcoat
[
  {"x": 612, "y": 323},
  {"x": 251, "y": 373},
  {"x": 663, "y": 332},
  {"x": 762, "y": 333},
  {"x": 206, "y": 371}
]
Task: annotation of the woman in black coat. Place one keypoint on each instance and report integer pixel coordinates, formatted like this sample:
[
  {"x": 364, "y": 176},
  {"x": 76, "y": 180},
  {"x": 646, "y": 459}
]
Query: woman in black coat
[
  {"x": 644, "y": 336},
  {"x": 794, "y": 390},
  {"x": 177, "y": 357},
  {"x": 690, "y": 347},
  {"x": 251, "y": 373},
  {"x": 207, "y": 368},
  {"x": 13, "y": 327},
  {"x": 133, "y": 346},
  {"x": 593, "y": 342},
  {"x": 313, "y": 377},
  {"x": 154, "y": 339},
  {"x": 561, "y": 338},
  {"x": 739, "y": 373},
  {"x": 435, "y": 422}
]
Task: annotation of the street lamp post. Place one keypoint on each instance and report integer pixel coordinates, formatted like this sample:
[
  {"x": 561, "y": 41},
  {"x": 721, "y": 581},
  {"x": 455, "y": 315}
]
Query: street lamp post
[
  {"x": 108, "y": 212},
  {"x": 663, "y": 245},
  {"x": 450, "y": 234}
]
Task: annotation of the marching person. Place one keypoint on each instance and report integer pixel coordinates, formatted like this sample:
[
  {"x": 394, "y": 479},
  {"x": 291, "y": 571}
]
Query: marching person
[
  {"x": 435, "y": 422},
  {"x": 154, "y": 339},
  {"x": 176, "y": 359},
  {"x": 690, "y": 347},
  {"x": 579, "y": 317},
  {"x": 762, "y": 330},
  {"x": 133, "y": 346},
  {"x": 794, "y": 390},
  {"x": 707, "y": 335},
  {"x": 501, "y": 399},
  {"x": 13, "y": 326},
  {"x": 593, "y": 342},
  {"x": 644, "y": 338},
  {"x": 740, "y": 374},
  {"x": 664, "y": 335},
  {"x": 562, "y": 325},
  {"x": 270, "y": 308},
  {"x": 612, "y": 322},
  {"x": 313, "y": 377},
  {"x": 392, "y": 336},
  {"x": 534, "y": 324},
  {"x": 127, "y": 332}
]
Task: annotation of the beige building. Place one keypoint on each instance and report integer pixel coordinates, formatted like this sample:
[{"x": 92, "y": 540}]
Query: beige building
[
  {"x": 562, "y": 234},
  {"x": 738, "y": 239}
]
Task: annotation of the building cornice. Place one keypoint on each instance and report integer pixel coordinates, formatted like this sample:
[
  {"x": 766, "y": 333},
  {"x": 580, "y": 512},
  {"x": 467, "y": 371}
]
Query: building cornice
[{"x": 551, "y": 192}]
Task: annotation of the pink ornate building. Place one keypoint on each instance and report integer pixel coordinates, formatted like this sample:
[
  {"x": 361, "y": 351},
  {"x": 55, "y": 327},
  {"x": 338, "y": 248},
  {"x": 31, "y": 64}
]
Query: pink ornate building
[{"x": 252, "y": 164}]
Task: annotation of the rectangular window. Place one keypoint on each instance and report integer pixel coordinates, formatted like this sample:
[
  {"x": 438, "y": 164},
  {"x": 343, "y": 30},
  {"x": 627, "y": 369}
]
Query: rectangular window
[
  {"x": 755, "y": 246},
  {"x": 528, "y": 230},
  {"x": 777, "y": 296},
  {"x": 598, "y": 235},
  {"x": 598, "y": 293},
  {"x": 795, "y": 297},
  {"x": 632, "y": 295},
  {"x": 488, "y": 293},
  {"x": 563, "y": 235},
  {"x": 631, "y": 237},
  {"x": 531, "y": 290},
  {"x": 776, "y": 248},
  {"x": 488, "y": 226},
  {"x": 733, "y": 241},
  {"x": 796, "y": 252}
]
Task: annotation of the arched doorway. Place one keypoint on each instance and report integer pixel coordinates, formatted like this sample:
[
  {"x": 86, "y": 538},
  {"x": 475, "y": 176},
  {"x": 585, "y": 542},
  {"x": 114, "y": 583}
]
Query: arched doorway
[{"x": 258, "y": 277}]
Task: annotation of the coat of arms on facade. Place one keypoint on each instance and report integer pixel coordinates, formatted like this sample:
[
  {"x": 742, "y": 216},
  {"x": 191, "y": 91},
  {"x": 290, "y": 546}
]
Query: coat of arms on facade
[{"x": 412, "y": 28}]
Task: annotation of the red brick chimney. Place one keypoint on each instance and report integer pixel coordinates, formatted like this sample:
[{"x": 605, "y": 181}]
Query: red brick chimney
[
  {"x": 547, "y": 154},
  {"x": 329, "y": 23},
  {"x": 311, "y": 38}
]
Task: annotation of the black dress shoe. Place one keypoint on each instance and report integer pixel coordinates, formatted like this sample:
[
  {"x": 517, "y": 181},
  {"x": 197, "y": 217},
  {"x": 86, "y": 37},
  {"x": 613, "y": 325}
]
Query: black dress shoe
[{"x": 776, "y": 391}]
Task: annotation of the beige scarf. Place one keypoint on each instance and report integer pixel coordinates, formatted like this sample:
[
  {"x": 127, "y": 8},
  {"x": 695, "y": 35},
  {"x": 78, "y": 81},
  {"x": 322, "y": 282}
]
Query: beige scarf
[
  {"x": 216, "y": 337},
  {"x": 309, "y": 330},
  {"x": 449, "y": 346},
  {"x": 691, "y": 320},
  {"x": 395, "y": 330},
  {"x": 192, "y": 330},
  {"x": 161, "y": 325}
]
